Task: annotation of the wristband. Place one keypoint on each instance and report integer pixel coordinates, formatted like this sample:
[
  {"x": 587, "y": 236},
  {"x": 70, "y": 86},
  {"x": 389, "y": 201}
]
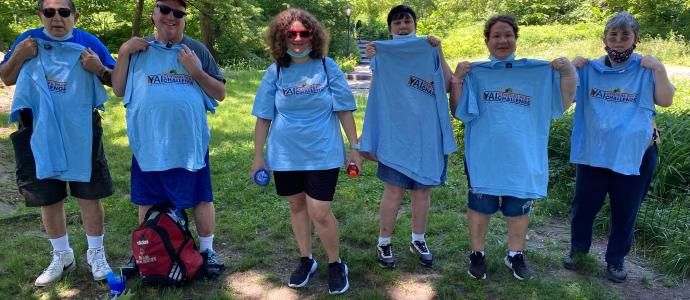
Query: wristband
[{"x": 354, "y": 146}]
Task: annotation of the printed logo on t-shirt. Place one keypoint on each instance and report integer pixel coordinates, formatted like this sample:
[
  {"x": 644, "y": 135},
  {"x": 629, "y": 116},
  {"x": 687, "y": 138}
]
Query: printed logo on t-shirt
[
  {"x": 57, "y": 86},
  {"x": 507, "y": 96},
  {"x": 171, "y": 77},
  {"x": 615, "y": 95},
  {"x": 304, "y": 89},
  {"x": 426, "y": 87}
]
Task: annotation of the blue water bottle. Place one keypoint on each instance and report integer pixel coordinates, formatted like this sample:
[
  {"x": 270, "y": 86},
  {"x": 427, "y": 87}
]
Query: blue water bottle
[{"x": 262, "y": 177}]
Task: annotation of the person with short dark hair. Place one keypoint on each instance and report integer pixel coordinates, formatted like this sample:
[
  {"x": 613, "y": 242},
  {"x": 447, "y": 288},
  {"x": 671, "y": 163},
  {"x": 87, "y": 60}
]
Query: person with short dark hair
[
  {"x": 506, "y": 106},
  {"x": 169, "y": 81},
  {"x": 614, "y": 140},
  {"x": 407, "y": 128},
  {"x": 302, "y": 102},
  {"x": 59, "y": 140}
]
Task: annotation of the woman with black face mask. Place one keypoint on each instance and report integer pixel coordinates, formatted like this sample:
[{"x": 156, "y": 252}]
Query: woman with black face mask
[{"x": 614, "y": 140}]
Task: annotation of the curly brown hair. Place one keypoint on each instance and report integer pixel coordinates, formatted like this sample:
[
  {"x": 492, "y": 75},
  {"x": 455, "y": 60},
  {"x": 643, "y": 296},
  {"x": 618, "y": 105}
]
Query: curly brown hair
[{"x": 276, "y": 35}]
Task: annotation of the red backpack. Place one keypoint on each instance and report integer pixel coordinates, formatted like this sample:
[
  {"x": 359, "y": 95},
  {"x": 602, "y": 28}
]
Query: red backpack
[{"x": 164, "y": 249}]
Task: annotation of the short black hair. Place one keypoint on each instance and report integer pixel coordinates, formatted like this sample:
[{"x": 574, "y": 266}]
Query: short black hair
[
  {"x": 400, "y": 12},
  {"x": 508, "y": 19},
  {"x": 72, "y": 7}
]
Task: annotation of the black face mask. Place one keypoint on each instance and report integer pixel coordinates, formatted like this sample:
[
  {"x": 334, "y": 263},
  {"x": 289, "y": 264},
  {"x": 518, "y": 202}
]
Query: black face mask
[{"x": 620, "y": 56}]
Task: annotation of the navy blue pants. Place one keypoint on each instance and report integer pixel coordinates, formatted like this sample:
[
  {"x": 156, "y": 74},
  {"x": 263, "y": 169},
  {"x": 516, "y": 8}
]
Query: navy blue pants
[{"x": 626, "y": 193}]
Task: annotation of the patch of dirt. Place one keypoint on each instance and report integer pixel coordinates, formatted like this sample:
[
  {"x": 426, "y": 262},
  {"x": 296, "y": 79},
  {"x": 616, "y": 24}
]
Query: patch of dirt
[
  {"x": 643, "y": 281},
  {"x": 9, "y": 196}
]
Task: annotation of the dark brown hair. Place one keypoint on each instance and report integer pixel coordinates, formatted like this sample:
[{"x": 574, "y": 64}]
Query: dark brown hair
[
  {"x": 508, "y": 19},
  {"x": 276, "y": 35}
]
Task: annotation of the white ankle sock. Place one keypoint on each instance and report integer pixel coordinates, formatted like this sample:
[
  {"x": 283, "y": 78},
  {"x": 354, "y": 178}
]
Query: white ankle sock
[
  {"x": 384, "y": 240},
  {"x": 94, "y": 241},
  {"x": 513, "y": 253},
  {"x": 61, "y": 243},
  {"x": 206, "y": 242},
  {"x": 417, "y": 237}
]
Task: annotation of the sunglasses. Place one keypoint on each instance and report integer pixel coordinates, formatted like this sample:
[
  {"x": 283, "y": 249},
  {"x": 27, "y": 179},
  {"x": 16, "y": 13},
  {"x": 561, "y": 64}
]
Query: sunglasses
[
  {"x": 293, "y": 34},
  {"x": 166, "y": 10},
  {"x": 63, "y": 12}
]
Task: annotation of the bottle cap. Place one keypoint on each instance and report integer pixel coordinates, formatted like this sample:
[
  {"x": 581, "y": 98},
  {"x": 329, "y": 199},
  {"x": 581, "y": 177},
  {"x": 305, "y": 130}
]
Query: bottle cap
[{"x": 262, "y": 177}]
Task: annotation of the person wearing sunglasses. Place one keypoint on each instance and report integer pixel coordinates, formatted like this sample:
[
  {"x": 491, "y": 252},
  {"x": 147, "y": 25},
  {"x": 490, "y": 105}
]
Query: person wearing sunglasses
[
  {"x": 175, "y": 173},
  {"x": 302, "y": 102},
  {"x": 58, "y": 18}
]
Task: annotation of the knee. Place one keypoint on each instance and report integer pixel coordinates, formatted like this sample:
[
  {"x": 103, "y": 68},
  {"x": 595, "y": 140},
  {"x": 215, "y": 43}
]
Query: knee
[
  {"x": 392, "y": 192},
  {"x": 321, "y": 217},
  {"x": 297, "y": 205}
]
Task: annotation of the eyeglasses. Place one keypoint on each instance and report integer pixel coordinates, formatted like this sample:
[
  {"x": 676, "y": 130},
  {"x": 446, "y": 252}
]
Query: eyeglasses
[
  {"x": 167, "y": 9},
  {"x": 50, "y": 12},
  {"x": 293, "y": 34}
]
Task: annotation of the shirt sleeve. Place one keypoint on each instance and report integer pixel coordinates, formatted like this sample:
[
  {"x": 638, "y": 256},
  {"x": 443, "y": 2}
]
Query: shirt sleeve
[
  {"x": 342, "y": 94},
  {"x": 556, "y": 98},
  {"x": 264, "y": 100},
  {"x": 467, "y": 109},
  {"x": 25, "y": 93}
]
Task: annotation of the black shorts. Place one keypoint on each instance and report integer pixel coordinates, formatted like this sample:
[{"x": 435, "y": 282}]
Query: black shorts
[
  {"x": 43, "y": 192},
  {"x": 317, "y": 184}
]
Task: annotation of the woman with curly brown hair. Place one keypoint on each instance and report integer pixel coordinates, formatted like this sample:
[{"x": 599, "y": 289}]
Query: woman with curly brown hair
[{"x": 301, "y": 100}]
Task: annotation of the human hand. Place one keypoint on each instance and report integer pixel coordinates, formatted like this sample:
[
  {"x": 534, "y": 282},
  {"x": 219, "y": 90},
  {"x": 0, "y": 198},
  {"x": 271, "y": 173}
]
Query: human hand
[
  {"x": 26, "y": 49},
  {"x": 434, "y": 41},
  {"x": 189, "y": 60},
  {"x": 652, "y": 63},
  {"x": 564, "y": 66},
  {"x": 355, "y": 158},
  {"x": 133, "y": 45},
  {"x": 579, "y": 61},
  {"x": 257, "y": 163},
  {"x": 91, "y": 62},
  {"x": 462, "y": 69},
  {"x": 370, "y": 50}
]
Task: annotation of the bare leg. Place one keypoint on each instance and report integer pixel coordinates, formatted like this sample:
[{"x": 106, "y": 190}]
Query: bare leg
[
  {"x": 326, "y": 226},
  {"x": 53, "y": 217},
  {"x": 478, "y": 225},
  {"x": 390, "y": 204},
  {"x": 299, "y": 219},
  {"x": 517, "y": 231},
  {"x": 91, "y": 216},
  {"x": 421, "y": 201}
]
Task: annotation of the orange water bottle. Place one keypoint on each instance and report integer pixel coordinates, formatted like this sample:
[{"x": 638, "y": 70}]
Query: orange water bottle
[{"x": 352, "y": 170}]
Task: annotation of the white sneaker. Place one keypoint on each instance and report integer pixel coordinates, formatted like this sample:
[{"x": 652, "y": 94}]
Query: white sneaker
[
  {"x": 63, "y": 262},
  {"x": 99, "y": 265}
]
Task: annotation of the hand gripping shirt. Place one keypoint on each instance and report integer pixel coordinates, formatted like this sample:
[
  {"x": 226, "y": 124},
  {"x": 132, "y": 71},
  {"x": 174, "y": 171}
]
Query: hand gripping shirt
[
  {"x": 302, "y": 102},
  {"x": 507, "y": 107},
  {"x": 61, "y": 95},
  {"x": 166, "y": 111},
  {"x": 407, "y": 124},
  {"x": 613, "y": 116}
]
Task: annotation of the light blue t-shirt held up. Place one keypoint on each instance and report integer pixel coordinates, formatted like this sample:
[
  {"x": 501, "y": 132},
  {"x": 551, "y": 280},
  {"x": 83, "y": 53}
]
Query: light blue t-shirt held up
[
  {"x": 614, "y": 111},
  {"x": 302, "y": 103},
  {"x": 61, "y": 95},
  {"x": 407, "y": 124},
  {"x": 507, "y": 107},
  {"x": 166, "y": 111}
]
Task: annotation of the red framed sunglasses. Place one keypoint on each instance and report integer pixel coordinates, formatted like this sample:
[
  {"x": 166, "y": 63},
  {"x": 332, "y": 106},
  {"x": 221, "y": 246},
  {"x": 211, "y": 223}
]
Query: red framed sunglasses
[{"x": 293, "y": 34}]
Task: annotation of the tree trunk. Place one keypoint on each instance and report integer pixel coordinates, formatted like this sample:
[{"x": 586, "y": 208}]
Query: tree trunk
[
  {"x": 136, "y": 23},
  {"x": 208, "y": 31}
]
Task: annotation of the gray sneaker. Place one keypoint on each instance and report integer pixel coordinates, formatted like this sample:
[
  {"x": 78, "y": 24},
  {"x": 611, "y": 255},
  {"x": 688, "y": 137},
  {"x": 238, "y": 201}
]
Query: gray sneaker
[
  {"x": 420, "y": 249},
  {"x": 616, "y": 273},
  {"x": 385, "y": 256}
]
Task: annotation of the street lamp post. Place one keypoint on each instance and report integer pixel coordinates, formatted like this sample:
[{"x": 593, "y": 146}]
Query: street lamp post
[{"x": 348, "y": 12}]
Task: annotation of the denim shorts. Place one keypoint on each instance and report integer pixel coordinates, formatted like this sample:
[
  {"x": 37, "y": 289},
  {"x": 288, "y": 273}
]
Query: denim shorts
[
  {"x": 490, "y": 204},
  {"x": 392, "y": 176},
  {"x": 178, "y": 187}
]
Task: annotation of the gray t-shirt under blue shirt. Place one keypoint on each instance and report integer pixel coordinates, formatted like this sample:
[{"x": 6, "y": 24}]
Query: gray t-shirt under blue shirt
[{"x": 208, "y": 64}]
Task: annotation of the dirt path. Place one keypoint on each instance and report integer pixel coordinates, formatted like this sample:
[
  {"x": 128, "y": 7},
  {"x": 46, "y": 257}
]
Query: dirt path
[
  {"x": 678, "y": 71},
  {"x": 643, "y": 282}
]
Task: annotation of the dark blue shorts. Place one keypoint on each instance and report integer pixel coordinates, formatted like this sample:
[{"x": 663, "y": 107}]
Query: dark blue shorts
[
  {"x": 392, "y": 176},
  {"x": 490, "y": 204},
  {"x": 180, "y": 187}
]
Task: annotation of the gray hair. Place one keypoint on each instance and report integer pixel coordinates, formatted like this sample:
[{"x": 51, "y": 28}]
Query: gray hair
[
  {"x": 72, "y": 7},
  {"x": 622, "y": 21}
]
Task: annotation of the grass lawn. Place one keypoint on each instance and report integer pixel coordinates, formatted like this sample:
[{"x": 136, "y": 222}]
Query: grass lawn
[{"x": 253, "y": 232}]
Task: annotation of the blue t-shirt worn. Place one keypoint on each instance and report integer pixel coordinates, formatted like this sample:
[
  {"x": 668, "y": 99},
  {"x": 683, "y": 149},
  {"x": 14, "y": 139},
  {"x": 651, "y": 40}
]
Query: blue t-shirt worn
[
  {"x": 613, "y": 116},
  {"x": 407, "y": 124},
  {"x": 507, "y": 107},
  {"x": 61, "y": 95},
  {"x": 166, "y": 111},
  {"x": 302, "y": 103},
  {"x": 79, "y": 36}
]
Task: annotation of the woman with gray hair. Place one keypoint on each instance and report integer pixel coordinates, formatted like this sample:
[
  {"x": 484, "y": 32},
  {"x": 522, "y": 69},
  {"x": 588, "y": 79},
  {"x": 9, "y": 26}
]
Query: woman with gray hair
[{"x": 614, "y": 139}]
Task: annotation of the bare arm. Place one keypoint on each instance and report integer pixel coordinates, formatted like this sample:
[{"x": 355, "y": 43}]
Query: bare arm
[
  {"x": 568, "y": 80},
  {"x": 119, "y": 74},
  {"x": 434, "y": 41},
  {"x": 663, "y": 89},
  {"x": 348, "y": 123},
  {"x": 456, "y": 84},
  {"x": 25, "y": 50},
  {"x": 212, "y": 86},
  {"x": 260, "y": 136}
]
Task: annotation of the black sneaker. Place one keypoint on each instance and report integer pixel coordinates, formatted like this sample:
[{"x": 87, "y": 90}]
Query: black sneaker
[
  {"x": 337, "y": 278},
  {"x": 213, "y": 267},
  {"x": 616, "y": 273},
  {"x": 385, "y": 256},
  {"x": 420, "y": 249},
  {"x": 130, "y": 269},
  {"x": 301, "y": 275},
  {"x": 518, "y": 266},
  {"x": 477, "y": 265}
]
